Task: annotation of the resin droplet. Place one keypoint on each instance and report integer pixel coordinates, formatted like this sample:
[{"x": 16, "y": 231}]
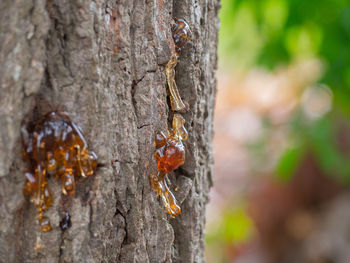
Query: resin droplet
[
  {"x": 54, "y": 146},
  {"x": 181, "y": 34},
  {"x": 179, "y": 129},
  {"x": 170, "y": 154},
  {"x": 44, "y": 223}
]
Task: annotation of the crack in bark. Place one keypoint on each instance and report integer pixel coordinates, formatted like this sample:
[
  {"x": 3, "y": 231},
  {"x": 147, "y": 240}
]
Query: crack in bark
[
  {"x": 60, "y": 247},
  {"x": 123, "y": 161},
  {"x": 143, "y": 125},
  {"x": 90, "y": 220}
]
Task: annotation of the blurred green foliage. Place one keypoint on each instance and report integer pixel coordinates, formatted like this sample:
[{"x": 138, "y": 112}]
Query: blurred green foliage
[
  {"x": 274, "y": 32},
  {"x": 270, "y": 33},
  {"x": 321, "y": 139},
  {"x": 234, "y": 227}
]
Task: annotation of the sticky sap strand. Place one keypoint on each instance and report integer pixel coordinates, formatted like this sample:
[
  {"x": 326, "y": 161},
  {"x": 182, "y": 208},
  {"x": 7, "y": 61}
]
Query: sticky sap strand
[{"x": 181, "y": 35}]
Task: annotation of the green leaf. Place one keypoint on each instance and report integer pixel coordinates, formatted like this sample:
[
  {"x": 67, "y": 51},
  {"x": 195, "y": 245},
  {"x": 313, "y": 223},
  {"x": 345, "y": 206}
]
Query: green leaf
[{"x": 289, "y": 162}]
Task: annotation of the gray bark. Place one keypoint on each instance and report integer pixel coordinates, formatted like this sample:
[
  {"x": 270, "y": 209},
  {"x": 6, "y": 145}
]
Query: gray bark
[{"x": 103, "y": 63}]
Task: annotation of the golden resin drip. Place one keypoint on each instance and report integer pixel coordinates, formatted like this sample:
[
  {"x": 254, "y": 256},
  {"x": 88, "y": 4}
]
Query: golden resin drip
[
  {"x": 181, "y": 35},
  {"x": 170, "y": 154},
  {"x": 54, "y": 146},
  {"x": 160, "y": 186}
]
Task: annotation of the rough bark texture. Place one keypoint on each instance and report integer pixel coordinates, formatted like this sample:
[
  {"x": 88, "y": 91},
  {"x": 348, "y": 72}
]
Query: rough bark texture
[{"x": 103, "y": 63}]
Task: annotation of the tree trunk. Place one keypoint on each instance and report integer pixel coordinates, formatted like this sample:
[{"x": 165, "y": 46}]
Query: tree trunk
[{"x": 103, "y": 63}]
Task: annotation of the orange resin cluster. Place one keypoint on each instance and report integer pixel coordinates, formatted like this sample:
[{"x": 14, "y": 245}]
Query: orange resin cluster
[
  {"x": 181, "y": 35},
  {"x": 54, "y": 146},
  {"x": 170, "y": 154}
]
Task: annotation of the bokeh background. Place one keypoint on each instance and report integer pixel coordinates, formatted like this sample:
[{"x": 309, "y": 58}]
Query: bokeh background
[{"x": 282, "y": 134}]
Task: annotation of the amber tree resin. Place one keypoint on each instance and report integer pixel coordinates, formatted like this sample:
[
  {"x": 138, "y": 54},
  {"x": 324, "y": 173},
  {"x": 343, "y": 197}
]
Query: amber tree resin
[
  {"x": 170, "y": 154},
  {"x": 181, "y": 34},
  {"x": 54, "y": 146}
]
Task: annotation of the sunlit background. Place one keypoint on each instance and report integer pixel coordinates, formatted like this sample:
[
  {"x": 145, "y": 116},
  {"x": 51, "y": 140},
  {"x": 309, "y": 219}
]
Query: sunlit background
[{"x": 282, "y": 134}]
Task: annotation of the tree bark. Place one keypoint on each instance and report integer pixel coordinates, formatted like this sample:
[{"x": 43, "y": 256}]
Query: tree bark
[{"x": 103, "y": 63}]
